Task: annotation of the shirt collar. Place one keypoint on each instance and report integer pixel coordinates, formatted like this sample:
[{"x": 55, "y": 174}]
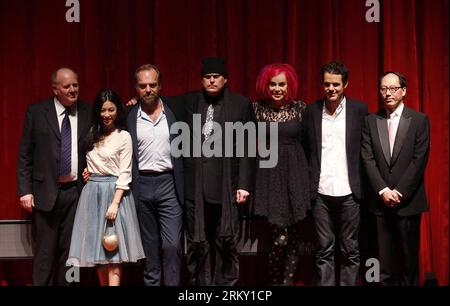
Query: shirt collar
[
  {"x": 60, "y": 109},
  {"x": 142, "y": 114},
  {"x": 339, "y": 109},
  {"x": 397, "y": 112},
  {"x": 140, "y": 108}
]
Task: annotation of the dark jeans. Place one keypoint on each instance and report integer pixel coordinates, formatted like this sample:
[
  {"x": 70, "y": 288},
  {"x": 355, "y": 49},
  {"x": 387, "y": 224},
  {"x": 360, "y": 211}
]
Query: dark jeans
[
  {"x": 52, "y": 232},
  {"x": 160, "y": 218},
  {"x": 218, "y": 254},
  {"x": 337, "y": 218},
  {"x": 404, "y": 232}
]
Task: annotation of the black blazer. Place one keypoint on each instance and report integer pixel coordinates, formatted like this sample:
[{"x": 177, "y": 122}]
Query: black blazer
[
  {"x": 39, "y": 152},
  {"x": 177, "y": 162},
  {"x": 235, "y": 108},
  {"x": 312, "y": 127},
  {"x": 405, "y": 170}
]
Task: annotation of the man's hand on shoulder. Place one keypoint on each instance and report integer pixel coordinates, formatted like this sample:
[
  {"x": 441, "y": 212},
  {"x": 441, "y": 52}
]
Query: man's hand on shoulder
[{"x": 131, "y": 102}]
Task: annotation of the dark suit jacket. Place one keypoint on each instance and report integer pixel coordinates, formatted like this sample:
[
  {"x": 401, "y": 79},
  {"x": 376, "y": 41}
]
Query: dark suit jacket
[
  {"x": 355, "y": 113},
  {"x": 39, "y": 153},
  {"x": 235, "y": 108},
  {"x": 405, "y": 170},
  {"x": 177, "y": 163}
]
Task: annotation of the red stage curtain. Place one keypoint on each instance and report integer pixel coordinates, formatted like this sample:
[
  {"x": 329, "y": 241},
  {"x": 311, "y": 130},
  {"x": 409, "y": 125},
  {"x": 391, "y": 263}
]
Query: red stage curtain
[{"x": 116, "y": 36}]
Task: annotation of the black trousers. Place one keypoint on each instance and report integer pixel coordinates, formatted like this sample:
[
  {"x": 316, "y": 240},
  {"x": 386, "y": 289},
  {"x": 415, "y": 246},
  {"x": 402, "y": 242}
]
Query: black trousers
[
  {"x": 336, "y": 220},
  {"x": 160, "y": 219},
  {"x": 403, "y": 234},
  {"x": 52, "y": 232},
  {"x": 213, "y": 262}
]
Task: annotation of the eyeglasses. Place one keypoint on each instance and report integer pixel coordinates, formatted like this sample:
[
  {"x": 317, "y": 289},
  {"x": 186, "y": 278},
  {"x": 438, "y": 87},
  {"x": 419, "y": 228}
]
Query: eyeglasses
[{"x": 392, "y": 89}]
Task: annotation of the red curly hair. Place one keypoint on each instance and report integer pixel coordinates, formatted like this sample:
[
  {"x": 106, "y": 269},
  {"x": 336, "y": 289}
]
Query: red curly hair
[{"x": 267, "y": 73}]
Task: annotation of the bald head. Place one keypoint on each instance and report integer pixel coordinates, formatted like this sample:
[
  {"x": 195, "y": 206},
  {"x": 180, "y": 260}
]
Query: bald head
[
  {"x": 65, "y": 86},
  {"x": 61, "y": 70}
]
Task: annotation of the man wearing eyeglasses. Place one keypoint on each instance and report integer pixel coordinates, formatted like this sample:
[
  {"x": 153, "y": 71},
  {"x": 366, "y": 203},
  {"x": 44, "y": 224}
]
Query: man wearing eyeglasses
[{"x": 395, "y": 148}]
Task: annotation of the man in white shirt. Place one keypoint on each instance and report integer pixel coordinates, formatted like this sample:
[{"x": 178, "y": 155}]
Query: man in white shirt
[
  {"x": 395, "y": 149},
  {"x": 49, "y": 167},
  {"x": 158, "y": 181},
  {"x": 332, "y": 143}
]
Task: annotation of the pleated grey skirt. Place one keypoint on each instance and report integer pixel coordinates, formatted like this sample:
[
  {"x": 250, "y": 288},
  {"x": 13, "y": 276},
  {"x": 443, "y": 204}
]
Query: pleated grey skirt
[{"x": 86, "y": 249}]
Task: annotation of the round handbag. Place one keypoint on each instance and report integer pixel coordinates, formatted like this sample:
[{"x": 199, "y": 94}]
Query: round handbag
[{"x": 110, "y": 239}]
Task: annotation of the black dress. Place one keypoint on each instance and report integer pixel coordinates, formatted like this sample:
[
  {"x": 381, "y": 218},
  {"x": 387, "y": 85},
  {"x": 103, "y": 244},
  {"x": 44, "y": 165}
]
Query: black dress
[{"x": 282, "y": 192}]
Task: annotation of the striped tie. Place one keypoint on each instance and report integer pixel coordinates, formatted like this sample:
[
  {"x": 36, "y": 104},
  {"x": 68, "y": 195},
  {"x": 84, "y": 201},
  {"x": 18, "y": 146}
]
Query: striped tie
[{"x": 66, "y": 146}]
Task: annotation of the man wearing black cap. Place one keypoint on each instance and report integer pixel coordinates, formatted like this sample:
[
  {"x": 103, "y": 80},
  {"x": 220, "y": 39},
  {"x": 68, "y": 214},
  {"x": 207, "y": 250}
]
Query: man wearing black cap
[{"x": 215, "y": 186}]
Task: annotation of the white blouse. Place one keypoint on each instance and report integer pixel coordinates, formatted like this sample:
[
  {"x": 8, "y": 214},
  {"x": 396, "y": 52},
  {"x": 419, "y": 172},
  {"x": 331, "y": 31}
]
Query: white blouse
[{"x": 112, "y": 156}]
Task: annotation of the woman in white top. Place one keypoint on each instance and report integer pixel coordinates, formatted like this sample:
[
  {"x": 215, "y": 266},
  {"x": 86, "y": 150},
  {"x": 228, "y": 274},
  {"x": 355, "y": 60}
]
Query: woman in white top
[{"x": 106, "y": 199}]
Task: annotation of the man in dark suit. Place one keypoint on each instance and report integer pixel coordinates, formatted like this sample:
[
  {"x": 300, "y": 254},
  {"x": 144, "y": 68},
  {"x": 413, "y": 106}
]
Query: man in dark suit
[
  {"x": 215, "y": 185},
  {"x": 395, "y": 149},
  {"x": 49, "y": 167},
  {"x": 158, "y": 181},
  {"x": 333, "y": 140}
]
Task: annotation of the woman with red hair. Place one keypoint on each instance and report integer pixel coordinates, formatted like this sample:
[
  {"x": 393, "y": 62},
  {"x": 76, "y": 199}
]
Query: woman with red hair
[{"x": 282, "y": 192}]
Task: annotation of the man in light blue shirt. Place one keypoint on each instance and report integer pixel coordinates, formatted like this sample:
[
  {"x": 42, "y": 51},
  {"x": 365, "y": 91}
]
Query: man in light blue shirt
[{"x": 157, "y": 180}]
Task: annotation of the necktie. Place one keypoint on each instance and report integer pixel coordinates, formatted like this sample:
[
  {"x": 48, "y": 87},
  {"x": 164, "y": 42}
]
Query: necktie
[
  {"x": 66, "y": 146},
  {"x": 392, "y": 132},
  {"x": 207, "y": 128}
]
